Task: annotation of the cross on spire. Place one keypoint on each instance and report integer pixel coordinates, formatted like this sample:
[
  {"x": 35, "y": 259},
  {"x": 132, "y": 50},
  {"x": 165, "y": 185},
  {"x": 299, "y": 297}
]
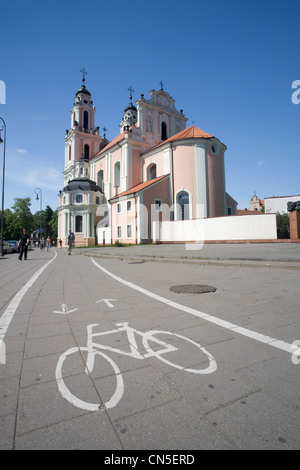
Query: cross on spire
[
  {"x": 161, "y": 85},
  {"x": 131, "y": 90},
  {"x": 84, "y": 73}
]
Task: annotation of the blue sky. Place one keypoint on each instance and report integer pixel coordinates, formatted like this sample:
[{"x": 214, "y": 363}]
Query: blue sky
[{"x": 228, "y": 64}]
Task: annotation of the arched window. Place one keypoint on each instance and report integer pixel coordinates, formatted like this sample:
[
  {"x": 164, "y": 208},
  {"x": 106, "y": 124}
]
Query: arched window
[
  {"x": 151, "y": 172},
  {"x": 163, "y": 131},
  {"x": 85, "y": 119},
  {"x": 100, "y": 179},
  {"x": 78, "y": 223},
  {"x": 183, "y": 203},
  {"x": 86, "y": 151},
  {"x": 117, "y": 174}
]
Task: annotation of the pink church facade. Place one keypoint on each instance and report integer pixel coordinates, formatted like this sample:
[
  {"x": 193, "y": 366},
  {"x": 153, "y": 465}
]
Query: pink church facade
[{"x": 155, "y": 169}]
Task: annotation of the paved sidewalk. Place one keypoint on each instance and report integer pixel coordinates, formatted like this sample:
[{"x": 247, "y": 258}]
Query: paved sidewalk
[
  {"x": 274, "y": 255},
  {"x": 143, "y": 398}
]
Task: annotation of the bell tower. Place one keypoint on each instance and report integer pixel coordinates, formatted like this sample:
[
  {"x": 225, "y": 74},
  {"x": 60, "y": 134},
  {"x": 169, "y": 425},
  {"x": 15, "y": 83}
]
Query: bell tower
[
  {"x": 130, "y": 114},
  {"x": 82, "y": 140}
]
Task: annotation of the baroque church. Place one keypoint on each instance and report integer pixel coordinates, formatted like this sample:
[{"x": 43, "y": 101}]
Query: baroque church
[{"x": 155, "y": 169}]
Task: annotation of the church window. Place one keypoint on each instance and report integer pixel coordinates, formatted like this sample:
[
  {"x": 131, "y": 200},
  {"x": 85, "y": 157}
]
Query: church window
[
  {"x": 119, "y": 231},
  {"x": 78, "y": 223},
  {"x": 86, "y": 151},
  {"x": 157, "y": 205},
  {"x": 119, "y": 208},
  {"x": 85, "y": 119},
  {"x": 78, "y": 198},
  {"x": 100, "y": 179},
  {"x": 129, "y": 231},
  {"x": 213, "y": 149},
  {"x": 69, "y": 152},
  {"x": 163, "y": 131},
  {"x": 128, "y": 206},
  {"x": 183, "y": 203},
  {"x": 117, "y": 174},
  {"x": 151, "y": 172},
  {"x": 97, "y": 200}
]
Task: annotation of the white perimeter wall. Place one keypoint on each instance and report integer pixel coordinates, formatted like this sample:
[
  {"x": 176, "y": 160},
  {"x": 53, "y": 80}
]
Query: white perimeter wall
[
  {"x": 103, "y": 235},
  {"x": 243, "y": 227}
]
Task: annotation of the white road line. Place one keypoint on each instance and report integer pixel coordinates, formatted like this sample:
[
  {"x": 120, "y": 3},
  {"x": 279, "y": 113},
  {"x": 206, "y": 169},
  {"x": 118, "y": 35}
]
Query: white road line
[
  {"x": 12, "y": 307},
  {"x": 290, "y": 348}
]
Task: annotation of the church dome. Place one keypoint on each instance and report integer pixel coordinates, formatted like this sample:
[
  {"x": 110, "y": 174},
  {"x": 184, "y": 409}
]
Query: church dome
[
  {"x": 83, "y": 90},
  {"x": 130, "y": 107},
  {"x": 84, "y": 184}
]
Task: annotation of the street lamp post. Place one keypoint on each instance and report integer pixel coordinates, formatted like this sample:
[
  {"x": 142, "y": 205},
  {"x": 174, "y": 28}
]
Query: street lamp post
[
  {"x": 3, "y": 128},
  {"x": 38, "y": 193}
]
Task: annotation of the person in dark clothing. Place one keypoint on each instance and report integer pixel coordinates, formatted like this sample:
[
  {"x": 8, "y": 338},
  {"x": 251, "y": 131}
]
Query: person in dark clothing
[
  {"x": 71, "y": 239},
  {"x": 23, "y": 244}
]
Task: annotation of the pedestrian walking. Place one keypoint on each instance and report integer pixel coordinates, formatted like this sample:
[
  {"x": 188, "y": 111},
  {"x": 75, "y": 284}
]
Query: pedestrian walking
[
  {"x": 42, "y": 244},
  {"x": 48, "y": 243},
  {"x": 23, "y": 245},
  {"x": 60, "y": 242},
  {"x": 71, "y": 239}
]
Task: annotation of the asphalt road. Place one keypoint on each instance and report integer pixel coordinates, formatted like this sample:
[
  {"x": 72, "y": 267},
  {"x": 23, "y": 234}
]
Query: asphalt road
[{"x": 96, "y": 351}]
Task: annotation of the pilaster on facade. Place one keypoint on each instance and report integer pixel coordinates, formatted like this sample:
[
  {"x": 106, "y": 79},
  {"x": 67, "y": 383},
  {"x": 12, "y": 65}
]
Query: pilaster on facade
[{"x": 201, "y": 189}]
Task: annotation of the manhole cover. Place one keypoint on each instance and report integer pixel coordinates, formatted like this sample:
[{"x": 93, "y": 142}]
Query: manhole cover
[{"x": 193, "y": 289}]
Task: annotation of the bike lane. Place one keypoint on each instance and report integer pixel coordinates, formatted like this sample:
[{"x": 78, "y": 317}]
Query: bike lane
[
  {"x": 161, "y": 407},
  {"x": 252, "y": 398},
  {"x": 70, "y": 299}
]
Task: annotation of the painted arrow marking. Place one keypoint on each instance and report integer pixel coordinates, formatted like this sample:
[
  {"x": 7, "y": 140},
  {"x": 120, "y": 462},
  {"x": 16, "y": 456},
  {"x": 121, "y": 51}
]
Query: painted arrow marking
[
  {"x": 65, "y": 310},
  {"x": 107, "y": 301}
]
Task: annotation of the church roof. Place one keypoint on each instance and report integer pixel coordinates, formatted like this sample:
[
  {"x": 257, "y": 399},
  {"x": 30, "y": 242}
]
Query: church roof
[
  {"x": 130, "y": 106},
  {"x": 139, "y": 187},
  {"x": 84, "y": 184},
  {"x": 192, "y": 132},
  {"x": 83, "y": 90},
  {"x": 111, "y": 143}
]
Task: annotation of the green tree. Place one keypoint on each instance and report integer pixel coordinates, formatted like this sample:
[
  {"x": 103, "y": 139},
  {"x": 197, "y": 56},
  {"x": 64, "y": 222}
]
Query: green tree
[
  {"x": 20, "y": 217},
  {"x": 283, "y": 225},
  {"x": 10, "y": 230},
  {"x": 43, "y": 220},
  {"x": 54, "y": 224},
  {"x": 48, "y": 213}
]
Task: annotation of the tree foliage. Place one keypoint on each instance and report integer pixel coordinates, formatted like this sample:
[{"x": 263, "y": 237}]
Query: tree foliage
[
  {"x": 20, "y": 216},
  {"x": 283, "y": 225}
]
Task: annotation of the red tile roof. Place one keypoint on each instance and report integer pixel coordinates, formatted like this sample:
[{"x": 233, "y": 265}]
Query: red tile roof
[
  {"x": 111, "y": 144},
  {"x": 192, "y": 132},
  {"x": 139, "y": 187}
]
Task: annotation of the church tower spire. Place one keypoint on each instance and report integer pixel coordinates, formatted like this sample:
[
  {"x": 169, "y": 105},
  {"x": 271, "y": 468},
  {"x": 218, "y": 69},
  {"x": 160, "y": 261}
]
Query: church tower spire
[
  {"x": 130, "y": 114},
  {"x": 83, "y": 138}
]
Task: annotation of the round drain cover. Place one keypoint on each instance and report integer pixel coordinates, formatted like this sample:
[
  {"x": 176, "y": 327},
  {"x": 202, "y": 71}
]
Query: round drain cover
[{"x": 193, "y": 289}]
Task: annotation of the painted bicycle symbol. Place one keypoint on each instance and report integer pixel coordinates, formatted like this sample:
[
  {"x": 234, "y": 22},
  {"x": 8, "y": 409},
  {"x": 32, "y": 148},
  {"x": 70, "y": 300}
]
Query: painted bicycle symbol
[{"x": 89, "y": 364}]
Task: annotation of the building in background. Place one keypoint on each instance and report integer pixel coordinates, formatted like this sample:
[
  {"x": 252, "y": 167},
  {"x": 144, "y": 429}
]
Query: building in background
[
  {"x": 279, "y": 203},
  {"x": 155, "y": 169}
]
